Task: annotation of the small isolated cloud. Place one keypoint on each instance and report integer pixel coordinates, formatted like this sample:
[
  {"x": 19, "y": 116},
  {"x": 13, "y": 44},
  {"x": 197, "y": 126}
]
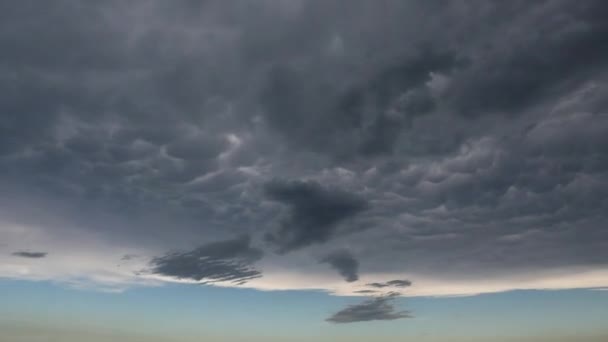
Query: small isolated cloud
[
  {"x": 374, "y": 309},
  {"x": 30, "y": 255},
  {"x": 128, "y": 257},
  {"x": 223, "y": 261},
  {"x": 314, "y": 212},
  {"x": 392, "y": 283},
  {"x": 343, "y": 262},
  {"x": 399, "y": 283}
]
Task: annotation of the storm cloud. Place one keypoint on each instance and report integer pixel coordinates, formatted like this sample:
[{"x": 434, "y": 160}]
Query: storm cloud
[
  {"x": 365, "y": 118},
  {"x": 409, "y": 133},
  {"x": 509, "y": 80},
  {"x": 314, "y": 212}
]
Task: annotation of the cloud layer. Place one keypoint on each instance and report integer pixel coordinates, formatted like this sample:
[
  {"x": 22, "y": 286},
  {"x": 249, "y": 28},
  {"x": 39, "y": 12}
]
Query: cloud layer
[{"x": 446, "y": 148}]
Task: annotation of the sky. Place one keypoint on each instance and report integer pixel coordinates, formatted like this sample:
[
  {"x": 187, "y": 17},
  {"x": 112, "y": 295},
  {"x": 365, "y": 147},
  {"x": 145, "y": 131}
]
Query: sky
[{"x": 297, "y": 170}]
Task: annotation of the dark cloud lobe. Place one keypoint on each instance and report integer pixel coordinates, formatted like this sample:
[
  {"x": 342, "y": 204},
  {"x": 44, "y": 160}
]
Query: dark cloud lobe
[
  {"x": 223, "y": 261},
  {"x": 344, "y": 263},
  {"x": 314, "y": 212},
  {"x": 374, "y": 309},
  {"x": 30, "y": 255}
]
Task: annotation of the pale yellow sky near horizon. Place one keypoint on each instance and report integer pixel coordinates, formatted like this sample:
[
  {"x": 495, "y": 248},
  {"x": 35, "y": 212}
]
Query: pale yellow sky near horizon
[{"x": 45, "y": 334}]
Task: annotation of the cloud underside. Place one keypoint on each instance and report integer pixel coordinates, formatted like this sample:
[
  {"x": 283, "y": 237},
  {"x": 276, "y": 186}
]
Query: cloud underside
[
  {"x": 459, "y": 155},
  {"x": 314, "y": 212}
]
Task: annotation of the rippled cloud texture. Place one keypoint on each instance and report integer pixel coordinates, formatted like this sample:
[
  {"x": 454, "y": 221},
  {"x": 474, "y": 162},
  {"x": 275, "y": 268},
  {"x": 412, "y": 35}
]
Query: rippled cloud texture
[{"x": 356, "y": 147}]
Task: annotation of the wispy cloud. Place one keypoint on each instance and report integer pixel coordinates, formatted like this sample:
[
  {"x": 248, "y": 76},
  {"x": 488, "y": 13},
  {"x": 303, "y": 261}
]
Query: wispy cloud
[
  {"x": 223, "y": 261},
  {"x": 391, "y": 283},
  {"x": 30, "y": 255},
  {"x": 374, "y": 309}
]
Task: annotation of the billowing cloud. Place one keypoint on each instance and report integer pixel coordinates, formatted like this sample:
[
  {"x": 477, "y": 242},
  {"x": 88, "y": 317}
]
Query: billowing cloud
[
  {"x": 364, "y": 119},
  {"x": 30, "y": 255},
  {"x": 375, "y": 309},
  {"x": 343, "y": 262},
  {"x": 222, "y": 261},
  {"x": 515, "y": 74},
  {"x": 314, "y": 212},
  {"x": 477, "y": 137}
]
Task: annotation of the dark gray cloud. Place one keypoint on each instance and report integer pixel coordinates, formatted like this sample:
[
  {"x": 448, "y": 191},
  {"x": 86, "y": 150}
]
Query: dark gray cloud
[
  {"x": 374, "y": 309},
  {"x": 223, "y": 261},
  {"x": 365, "y": 118},
  {"x": 314, "y": 212},
  {"x": 391, "y": 283},
  {"x": 30, "y": 255},
  {"x": 469, "y": 131},
  {"x": 343, "y": 262},
  {"x": 525, "y": 68}
]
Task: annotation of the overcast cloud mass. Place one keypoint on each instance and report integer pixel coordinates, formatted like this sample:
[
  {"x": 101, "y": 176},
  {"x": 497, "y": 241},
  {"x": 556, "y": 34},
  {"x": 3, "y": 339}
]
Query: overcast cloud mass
[{"x": 356, "y": 147}]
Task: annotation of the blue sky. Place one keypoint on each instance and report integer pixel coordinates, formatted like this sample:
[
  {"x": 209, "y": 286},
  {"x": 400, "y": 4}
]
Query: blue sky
[
  {"x": 295, "y": 170},
  {"x": 193, "y": 312}
]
